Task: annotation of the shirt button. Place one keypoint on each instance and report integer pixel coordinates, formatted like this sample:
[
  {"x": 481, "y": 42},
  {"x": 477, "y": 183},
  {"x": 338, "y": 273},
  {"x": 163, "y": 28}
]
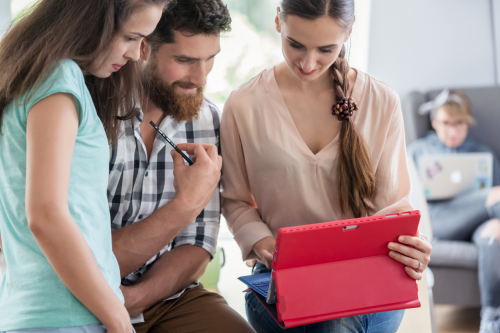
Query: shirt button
[
  {"x": 141, "y": 216},
  {"x": 146, "y": 173}
]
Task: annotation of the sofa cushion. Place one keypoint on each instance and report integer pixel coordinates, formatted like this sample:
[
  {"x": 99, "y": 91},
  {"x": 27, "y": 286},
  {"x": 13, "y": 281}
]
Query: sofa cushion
[
  {"x": 457, "y": 254},
  {"x": 456, "y": 286}
]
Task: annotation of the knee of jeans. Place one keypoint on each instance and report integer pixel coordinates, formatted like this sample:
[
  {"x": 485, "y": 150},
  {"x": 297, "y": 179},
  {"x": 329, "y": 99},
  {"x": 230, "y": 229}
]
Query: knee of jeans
[
  {"x": 493, "y": 196},
  {"x": 491, "y": 230},
  {"x": 254, "y": 304},
  {"x": 251, "y": 300}
]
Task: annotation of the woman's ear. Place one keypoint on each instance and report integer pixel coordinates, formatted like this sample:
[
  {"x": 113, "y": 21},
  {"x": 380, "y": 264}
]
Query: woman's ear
[
  {"x": 277, "y": 20},
  {"x": 348, "y": 35}
]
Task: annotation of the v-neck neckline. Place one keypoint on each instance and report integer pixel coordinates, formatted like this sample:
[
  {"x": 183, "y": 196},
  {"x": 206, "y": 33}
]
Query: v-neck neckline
[{"x": 283, "y": 110}]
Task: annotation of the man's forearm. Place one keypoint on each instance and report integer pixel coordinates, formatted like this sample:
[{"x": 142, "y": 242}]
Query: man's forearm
[
  {"x": 172, "y": 272},
  {"x": 135, "y": 244}
]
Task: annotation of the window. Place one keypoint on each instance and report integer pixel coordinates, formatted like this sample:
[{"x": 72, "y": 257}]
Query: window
[{"x": 17, "y": 6}]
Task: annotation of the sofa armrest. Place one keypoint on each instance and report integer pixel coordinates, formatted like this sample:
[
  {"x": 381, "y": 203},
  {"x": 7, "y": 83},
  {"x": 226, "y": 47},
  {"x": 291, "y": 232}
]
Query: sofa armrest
[{"x": 455, "y": 254}]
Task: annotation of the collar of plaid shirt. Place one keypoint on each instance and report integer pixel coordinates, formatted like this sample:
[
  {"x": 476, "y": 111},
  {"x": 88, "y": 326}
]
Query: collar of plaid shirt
[{"x": 137, "y": 187}]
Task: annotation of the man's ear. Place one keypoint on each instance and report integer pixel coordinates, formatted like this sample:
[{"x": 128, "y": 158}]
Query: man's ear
[
  {"x": 145, "y": 50},
  {"x": 277, "y": 20}
]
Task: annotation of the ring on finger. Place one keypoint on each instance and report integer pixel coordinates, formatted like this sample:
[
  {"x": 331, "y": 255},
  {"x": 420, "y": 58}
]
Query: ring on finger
[
  {"x": 419, "y": 266},
  {"x": 423, "y": 237}
]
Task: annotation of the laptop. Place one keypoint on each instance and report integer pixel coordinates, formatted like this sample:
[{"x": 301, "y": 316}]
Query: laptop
[
  {"x": 444, "y": 176},
  {"x": 263, "y": 284},
  {"x": 319, "y": 271}
]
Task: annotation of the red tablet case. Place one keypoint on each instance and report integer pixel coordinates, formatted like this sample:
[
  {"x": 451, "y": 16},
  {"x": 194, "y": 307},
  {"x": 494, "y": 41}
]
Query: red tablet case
[{"x": 324, "y": 271}]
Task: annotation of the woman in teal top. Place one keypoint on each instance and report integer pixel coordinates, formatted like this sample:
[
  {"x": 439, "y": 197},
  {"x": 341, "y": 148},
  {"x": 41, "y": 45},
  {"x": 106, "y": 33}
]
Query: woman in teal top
[{"x": 54, "y": 218}]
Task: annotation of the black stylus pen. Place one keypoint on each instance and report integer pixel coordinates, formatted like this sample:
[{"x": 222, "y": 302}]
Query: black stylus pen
[{"x": 171, "y": 143}]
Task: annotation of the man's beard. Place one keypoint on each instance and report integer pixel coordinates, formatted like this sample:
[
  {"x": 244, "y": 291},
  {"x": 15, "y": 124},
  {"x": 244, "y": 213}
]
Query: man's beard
[{"x": 179, "y": 106}]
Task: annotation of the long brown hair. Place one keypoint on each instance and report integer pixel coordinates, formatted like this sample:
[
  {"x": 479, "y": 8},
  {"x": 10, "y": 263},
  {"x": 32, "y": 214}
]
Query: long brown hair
[
  {"x": 355, "y": 175},
  {"x": 81, "y": 30}
]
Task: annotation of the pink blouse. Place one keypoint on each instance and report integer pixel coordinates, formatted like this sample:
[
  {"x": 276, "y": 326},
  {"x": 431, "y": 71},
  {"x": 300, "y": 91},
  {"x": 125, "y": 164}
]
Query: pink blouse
[{"x": 271, "y": 179}]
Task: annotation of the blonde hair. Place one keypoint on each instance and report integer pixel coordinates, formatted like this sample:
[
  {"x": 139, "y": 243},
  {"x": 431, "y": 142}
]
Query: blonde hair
[{"x": 462, "y": 111}]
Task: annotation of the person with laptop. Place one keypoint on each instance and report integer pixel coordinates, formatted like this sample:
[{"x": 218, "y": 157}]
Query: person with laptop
[
  {"x": 312, "y": 140},
  {"x": 470, "y": 215}
]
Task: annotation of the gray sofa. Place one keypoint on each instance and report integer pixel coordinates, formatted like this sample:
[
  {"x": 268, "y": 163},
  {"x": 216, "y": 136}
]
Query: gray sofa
[{"x": 454, "y": 263}]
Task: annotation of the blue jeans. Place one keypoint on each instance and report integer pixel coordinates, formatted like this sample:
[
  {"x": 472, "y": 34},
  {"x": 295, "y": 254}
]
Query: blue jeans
[
  {"x": 94, "y": 328},
  {"x": 464, "y": 218},
  {"x": 262, "y": 322}
]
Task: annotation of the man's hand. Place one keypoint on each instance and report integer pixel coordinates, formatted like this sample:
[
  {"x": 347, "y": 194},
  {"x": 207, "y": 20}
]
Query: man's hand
[
  {"x": 133, "y": 297},
  {"x": 264, "y": 249},
  {"x": 194, "y": 185}
]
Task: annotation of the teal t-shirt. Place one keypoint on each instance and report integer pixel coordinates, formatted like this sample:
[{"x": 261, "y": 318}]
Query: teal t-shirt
[{"x": 31, "y": 293}]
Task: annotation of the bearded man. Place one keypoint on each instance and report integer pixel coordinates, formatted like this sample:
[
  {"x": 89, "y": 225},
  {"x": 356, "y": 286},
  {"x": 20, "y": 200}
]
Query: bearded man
[{"x": 165, "y": 214}]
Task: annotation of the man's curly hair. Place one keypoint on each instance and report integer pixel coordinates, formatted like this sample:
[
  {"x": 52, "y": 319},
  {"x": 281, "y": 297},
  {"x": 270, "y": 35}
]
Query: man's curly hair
[{"x": 193, "y": 17}]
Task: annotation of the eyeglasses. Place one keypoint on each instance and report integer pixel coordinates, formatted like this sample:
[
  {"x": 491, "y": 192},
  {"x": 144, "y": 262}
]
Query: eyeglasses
[{"x": 460, "y": 125}]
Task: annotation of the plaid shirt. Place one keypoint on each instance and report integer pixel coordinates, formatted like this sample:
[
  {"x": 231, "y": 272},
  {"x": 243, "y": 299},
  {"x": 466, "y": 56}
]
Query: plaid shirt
[{"x": 137, "y": 188}]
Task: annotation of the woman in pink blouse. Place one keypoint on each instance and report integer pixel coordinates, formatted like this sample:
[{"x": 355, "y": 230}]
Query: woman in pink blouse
[{"x": 289, "y": 160}]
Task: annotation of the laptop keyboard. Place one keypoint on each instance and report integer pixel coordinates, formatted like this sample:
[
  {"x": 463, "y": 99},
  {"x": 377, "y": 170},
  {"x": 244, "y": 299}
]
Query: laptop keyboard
[{"x": 262, "y": 286}]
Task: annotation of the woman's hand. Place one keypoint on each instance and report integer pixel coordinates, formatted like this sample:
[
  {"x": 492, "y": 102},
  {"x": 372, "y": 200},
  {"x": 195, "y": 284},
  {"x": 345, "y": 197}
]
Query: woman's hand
[
  {"x": 122, "y": 325},
  {"x": 264, "y": 249},
  {"x": 416, "y": 254}
]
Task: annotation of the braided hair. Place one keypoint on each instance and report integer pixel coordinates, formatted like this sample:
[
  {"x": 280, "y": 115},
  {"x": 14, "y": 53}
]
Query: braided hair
[{"x": 355, "y": 175}]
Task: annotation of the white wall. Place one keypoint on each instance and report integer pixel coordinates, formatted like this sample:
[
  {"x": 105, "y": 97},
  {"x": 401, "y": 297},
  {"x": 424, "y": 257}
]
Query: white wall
[
  {"x": 425, "y": 44},
  {"x": 357, "y": 45},
  {"x": 4, "y": 16},
  {"x": 496, "y": 27}
]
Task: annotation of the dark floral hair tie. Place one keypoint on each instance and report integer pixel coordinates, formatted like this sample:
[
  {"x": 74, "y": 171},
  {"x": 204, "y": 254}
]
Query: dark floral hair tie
[{"x": 344, "y": 108}]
